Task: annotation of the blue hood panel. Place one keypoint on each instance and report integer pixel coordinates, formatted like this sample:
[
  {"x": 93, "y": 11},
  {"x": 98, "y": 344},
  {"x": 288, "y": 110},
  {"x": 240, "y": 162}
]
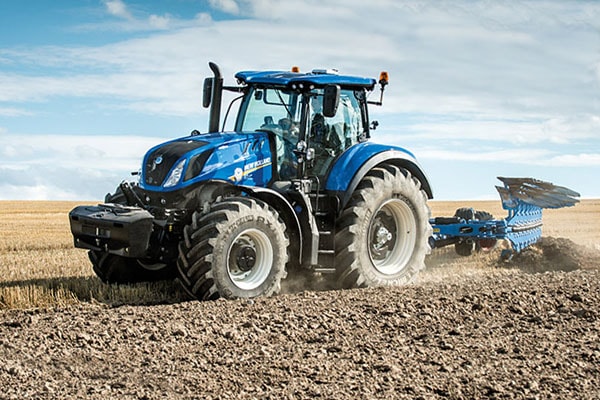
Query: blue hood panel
[{"x": 240, "y": 158}]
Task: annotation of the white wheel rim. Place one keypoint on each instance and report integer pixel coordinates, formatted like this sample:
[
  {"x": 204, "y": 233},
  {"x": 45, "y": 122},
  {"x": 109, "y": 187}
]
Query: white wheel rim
[
  {"x": 250, "y": 259},
  {"x": 392, "y": 237}
]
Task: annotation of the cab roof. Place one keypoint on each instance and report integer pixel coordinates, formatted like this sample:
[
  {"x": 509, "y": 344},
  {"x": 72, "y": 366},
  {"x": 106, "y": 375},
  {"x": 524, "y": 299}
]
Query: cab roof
[{"x": 316, "y": 78}]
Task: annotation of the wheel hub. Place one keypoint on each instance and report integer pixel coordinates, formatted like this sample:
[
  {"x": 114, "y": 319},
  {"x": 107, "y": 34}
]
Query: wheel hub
[
  {"x": 246, "y": 258},
  {"x": 250, "y": 259},
  {"x": 382, "y": 239},
  {"x": 383, "y": 236}
]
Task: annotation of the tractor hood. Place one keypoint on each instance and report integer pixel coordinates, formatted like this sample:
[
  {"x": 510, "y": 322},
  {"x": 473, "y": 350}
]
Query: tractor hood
[{"x": 240, "y": 158}]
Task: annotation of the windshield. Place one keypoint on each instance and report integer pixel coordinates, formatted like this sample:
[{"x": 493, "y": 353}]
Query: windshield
[{"x": 266, "y": 108}]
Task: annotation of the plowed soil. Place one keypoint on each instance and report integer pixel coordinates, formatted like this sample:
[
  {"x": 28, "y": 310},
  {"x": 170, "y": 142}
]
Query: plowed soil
[{"x": 528, "y": 328}]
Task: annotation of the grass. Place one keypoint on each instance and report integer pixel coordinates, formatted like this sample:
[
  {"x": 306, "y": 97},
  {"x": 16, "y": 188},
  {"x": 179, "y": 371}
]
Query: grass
[{"x": 40, "y": 268}]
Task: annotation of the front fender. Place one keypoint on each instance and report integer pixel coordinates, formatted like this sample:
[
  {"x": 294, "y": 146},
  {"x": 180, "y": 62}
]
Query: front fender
[{"x": 285, "y": 211}]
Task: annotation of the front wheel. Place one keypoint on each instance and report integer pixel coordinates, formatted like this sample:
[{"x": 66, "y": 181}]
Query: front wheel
[
  {"x": 111, "y": 268},
  {"x": 236, "y": 250},
  {"x": 382, "y": 235}
]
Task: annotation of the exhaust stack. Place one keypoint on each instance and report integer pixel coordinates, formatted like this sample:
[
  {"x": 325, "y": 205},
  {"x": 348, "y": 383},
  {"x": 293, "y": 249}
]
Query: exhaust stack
[{"x": 215, "y": 98}]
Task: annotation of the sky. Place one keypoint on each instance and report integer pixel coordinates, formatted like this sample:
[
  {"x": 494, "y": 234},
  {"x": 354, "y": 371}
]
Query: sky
[{"x": 478, "y": 89}]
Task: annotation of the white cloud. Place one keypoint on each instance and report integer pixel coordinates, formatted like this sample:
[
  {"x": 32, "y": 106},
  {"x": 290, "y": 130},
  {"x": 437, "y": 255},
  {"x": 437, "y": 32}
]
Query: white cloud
[
  {"x": 573, "y": 127},
  {"x": 166, "y": 94},
  {"x": 228, "y": 6},
  {"x": 39, "y": 192},
  {"x": 159, "y": 22},
  {"x": 13, "y": 112},
  {"x": 276, "y": 9},
  {"x": 443, "y": 59},
  {"x": 527, "y": 156},
  {"x": 118, "y": 8},
  {"x": 67, "y": 166},
  {"x": 101, "y": 152},
  {"x": 556, "y": 131},
  {"x": 520, "y": 156},
  {"x": 9, "y": 151},
  {"x": 576, "y": 160},
  {"x": 138, "y": 22}
]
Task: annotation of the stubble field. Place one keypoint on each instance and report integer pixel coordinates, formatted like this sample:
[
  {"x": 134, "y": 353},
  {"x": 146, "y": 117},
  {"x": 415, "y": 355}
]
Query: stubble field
[{"x": 469, "y": 328}]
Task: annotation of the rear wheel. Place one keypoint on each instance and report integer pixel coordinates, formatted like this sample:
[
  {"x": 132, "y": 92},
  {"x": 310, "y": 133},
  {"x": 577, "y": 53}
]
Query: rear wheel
[
  {"x": 382, "y": 235},
  {"x": 236, "y": 250}
]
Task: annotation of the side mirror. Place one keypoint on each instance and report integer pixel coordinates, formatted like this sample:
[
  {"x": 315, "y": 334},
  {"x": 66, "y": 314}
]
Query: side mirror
[
  {"x": 207, "y": 92},
  {"x": 331, "y": 99}
]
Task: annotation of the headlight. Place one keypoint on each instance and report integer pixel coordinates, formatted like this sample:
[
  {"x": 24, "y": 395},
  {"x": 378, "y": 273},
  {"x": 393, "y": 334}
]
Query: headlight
[{"x": 175, "y": 175}]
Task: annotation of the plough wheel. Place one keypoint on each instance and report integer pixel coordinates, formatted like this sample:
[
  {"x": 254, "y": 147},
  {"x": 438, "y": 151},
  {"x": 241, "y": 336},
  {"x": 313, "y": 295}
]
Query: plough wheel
[{"x": 466, "y": 247}]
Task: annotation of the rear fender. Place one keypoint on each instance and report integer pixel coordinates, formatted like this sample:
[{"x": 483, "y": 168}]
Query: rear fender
[{"x": 352, "y": 167}]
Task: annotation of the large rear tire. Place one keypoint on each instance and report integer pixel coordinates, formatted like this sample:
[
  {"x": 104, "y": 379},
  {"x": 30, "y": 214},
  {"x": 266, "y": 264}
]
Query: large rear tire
[
  {"x": 238, "y": 249},
  {"x": 383, "y": 234}
]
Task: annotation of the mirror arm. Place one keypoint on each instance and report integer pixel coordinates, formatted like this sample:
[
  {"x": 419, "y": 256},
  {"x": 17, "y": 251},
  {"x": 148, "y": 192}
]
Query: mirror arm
[
  {"x": 236, "y": 89},
  {"x": 383, "y": 81},
  {"x": 380, "y": 102}
]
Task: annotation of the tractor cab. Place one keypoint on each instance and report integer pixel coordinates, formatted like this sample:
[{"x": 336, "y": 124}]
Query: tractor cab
[
  {"x": 312, "y": 118},
  {"x": 306, "y": 140}
]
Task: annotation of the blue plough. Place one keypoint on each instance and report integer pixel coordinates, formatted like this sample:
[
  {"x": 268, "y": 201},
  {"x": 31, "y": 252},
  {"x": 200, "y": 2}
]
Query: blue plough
[{"x": 524, "y": 198}]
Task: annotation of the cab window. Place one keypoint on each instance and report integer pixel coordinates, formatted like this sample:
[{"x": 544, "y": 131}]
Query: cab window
[{"x": 332, "y": 136}]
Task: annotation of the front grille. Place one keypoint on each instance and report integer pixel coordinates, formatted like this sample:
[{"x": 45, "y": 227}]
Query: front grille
[{"x": 160, "y": 161}]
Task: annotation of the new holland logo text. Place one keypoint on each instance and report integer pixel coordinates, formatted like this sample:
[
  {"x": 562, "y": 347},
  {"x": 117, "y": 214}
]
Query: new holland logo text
[{"x": 250, "y": 168}]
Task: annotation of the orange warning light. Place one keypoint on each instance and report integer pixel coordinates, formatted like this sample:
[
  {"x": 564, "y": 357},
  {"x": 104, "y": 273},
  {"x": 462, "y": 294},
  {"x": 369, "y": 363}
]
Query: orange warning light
[{"x": 383, "y": 78}]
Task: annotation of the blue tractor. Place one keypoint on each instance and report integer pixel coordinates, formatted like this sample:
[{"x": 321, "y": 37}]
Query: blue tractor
[{"x": 297, "y": 188}]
